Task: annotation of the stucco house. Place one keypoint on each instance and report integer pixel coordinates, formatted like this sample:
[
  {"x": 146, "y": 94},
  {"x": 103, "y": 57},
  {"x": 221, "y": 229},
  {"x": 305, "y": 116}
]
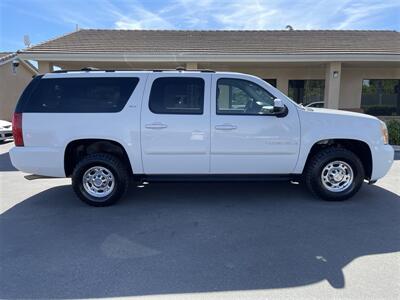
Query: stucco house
[
  {"x": 353, "y": 70},
  {"x": 15, "y": 74}
]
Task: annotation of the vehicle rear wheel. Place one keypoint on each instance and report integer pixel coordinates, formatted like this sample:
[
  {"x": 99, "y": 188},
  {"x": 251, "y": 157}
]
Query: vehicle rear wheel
[
  {"x": 100, "y": 179},
  {"x": 334, "y": 174}
]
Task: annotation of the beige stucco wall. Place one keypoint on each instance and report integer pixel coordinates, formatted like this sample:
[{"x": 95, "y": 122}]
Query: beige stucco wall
[
  {"x": 351, "y": 83},
  {"x": 11, "y": 87},
  {"x": 350, "y": 77},
  {"x": 282, "y": 75}
]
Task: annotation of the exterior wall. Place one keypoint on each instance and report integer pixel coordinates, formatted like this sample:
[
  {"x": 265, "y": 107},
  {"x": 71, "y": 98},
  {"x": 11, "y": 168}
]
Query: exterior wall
[
  {"x": 349, "y": 87},
  {"x": 11, "y": 87},
  {"x": 283, "y": 75},
  {"x": 351, "y": 83}
]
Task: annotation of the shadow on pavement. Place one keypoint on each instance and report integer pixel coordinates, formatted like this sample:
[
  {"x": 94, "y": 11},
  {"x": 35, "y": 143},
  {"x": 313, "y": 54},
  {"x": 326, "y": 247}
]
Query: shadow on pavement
[
  {"x": 5, "y": 163},
  {"x": 178, "y": 238}
]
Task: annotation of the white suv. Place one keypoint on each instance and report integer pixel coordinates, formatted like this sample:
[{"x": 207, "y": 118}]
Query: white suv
[{"x": 103, "y": 128}]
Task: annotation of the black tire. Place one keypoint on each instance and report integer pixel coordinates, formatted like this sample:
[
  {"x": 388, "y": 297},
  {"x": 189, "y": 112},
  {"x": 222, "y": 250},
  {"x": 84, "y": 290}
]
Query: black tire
[
  {"x": 320, "y": 160},
  {"x": 112, "y": 164}
]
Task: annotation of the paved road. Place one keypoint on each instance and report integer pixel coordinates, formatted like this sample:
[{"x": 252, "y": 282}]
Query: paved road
[{"x": 198, "y": 241}]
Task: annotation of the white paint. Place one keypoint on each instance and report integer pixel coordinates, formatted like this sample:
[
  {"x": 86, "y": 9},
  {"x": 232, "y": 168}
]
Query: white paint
[{"x": 190, "y": 144}]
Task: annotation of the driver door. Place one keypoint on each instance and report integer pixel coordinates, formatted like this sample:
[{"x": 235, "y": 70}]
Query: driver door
[{"x": 246, "y": 136}]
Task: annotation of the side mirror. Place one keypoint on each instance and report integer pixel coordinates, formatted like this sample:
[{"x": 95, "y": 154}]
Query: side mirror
[{"x": 280, "y": 109}]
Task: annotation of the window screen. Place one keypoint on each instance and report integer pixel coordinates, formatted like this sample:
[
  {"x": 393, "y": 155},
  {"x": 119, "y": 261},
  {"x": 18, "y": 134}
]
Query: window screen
[
  {"x": 242, "y": 97},
  {"x": 174, "y": 95},
  {"x": 81, "y": 95}
]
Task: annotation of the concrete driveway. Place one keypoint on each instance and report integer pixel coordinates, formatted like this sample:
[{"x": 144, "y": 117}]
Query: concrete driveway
[{"x": 198, "y": 241}]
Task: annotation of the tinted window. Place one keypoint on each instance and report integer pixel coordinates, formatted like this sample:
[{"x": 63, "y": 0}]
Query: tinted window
[
  {"x": 307, "y": 91},
  {"x": 173, "y": 95},
  {"x": 242, "y": 97},
  {"x": 85, "y": 95},
  {"x": 271, "y": 82},
  {"x": 26, "y": 94},
  {"x": 381, "y": 97}
]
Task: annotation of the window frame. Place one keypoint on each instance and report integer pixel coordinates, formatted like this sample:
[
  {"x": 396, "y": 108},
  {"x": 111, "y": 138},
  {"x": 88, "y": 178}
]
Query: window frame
[
  {"x": 243, "y": 114},
  {"x": 177, "y": 113}
]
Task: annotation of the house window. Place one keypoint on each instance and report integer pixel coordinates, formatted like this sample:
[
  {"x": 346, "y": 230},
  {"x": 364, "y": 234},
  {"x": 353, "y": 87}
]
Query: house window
[
  {"x": 381, "y": 97},
  {"x": 307, "y": 91},
  {"x": 271, "y": 82}
]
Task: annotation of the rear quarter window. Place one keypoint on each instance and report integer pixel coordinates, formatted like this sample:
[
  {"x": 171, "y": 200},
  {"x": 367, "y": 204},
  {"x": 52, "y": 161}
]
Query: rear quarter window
[{"x": 81, "y": 95}]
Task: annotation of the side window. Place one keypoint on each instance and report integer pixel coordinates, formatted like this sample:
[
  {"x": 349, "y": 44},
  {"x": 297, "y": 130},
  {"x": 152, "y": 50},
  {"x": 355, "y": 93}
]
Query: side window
[
  {"x": 177, "y": 95},
  {"x": 81, "y": 95},
  {"x": 242, "y": 97}
]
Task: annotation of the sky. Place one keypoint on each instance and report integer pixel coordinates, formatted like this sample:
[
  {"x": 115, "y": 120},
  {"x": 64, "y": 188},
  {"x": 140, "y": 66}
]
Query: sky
[{"x": 42, "y": 20}]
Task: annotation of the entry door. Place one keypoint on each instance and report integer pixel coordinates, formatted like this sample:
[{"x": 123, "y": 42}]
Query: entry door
[
  {"x": 175, "y": 123},
  {"x": 246, "y": 138}
]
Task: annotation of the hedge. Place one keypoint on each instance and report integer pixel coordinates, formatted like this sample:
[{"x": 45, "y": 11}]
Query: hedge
[{"x": 394, "y": 132}]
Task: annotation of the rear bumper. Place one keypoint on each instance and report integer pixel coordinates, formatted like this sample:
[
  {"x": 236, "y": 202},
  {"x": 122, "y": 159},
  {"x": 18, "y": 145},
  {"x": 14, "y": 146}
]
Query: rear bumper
[
  {"x": 382, "y": 158},
  {"x": 39, "y": 160}
]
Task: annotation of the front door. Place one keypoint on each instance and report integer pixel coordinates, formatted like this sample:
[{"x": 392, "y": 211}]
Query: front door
[
  {"x": 175, "y": 123},
  {"x": 246, "y": 137}
]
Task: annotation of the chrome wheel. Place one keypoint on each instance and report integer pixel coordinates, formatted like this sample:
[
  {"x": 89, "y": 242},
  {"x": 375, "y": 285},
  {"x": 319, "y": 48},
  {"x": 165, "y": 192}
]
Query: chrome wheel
[
  {"x": 337, "y": 176},
  {"x": 98, "y": 181}
]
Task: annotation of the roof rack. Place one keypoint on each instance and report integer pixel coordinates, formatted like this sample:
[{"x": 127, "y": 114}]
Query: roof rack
[{"x": 91, "y": 69}]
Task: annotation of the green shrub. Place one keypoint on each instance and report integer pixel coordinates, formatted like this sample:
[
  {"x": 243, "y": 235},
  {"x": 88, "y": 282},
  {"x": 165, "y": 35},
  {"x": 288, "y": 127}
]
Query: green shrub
[
  {"x": 394, "y": 132},
  {"x": 380, "y": 110}
]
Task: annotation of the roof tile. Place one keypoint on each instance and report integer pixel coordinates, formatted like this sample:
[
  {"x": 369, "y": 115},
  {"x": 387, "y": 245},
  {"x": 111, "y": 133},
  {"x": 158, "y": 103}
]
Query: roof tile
[{"x": 223, "y": 42}]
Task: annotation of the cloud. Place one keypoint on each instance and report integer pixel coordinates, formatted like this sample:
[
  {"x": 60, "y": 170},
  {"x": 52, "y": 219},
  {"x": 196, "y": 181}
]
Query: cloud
[
  {"x": 215, "y": 14},
  {"x": 142, "y": 19},
  {"x": 256, "y": 14}
]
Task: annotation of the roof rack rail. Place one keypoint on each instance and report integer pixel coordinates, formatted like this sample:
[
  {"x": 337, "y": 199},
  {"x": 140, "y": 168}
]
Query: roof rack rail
[{"x": 91, "y": 69}]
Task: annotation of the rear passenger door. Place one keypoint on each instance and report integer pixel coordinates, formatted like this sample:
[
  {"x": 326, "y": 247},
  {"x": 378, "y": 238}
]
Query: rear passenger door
[{"x": 175, "y": 123}]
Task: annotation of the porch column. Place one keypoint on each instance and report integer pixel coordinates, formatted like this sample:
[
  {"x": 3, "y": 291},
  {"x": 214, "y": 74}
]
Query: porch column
[
  {"x": 333, "y": 74},
  {"x": 45, "y": 67},
  {"x": 283, "y": 84},
  {"x": 191, "y": 66}
]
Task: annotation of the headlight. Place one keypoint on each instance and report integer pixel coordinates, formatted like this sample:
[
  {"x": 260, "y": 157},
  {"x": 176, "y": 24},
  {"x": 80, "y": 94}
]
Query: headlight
[{"x": 385, "y": 134}]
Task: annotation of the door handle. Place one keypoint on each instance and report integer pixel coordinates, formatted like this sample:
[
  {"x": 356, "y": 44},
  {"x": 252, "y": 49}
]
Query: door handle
[
  {"x": 225, "y": 127},
  {"x": 156, "y": 125}
]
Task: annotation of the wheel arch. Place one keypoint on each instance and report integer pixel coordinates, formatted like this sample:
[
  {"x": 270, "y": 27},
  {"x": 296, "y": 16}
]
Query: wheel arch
[
  {"x": 358, "y": 147},
  {"x": 75, "y": 150}
]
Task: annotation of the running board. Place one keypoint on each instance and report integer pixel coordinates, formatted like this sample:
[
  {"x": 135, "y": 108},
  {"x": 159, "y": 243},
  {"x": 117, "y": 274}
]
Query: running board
[
  {"x": 35, "y": 176},
  {"x": 213, "y": 178}
]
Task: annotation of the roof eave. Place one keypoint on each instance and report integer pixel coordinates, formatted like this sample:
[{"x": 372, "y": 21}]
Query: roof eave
[
  {"x": 30, "y": 67},
  {"x": 185, "y": 57}
]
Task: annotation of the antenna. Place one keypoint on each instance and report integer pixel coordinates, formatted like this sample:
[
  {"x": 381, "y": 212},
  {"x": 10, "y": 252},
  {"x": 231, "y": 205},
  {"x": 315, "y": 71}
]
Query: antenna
[
  {"x": 27, "y": 40},
  {"x": 76, "y": 27}
]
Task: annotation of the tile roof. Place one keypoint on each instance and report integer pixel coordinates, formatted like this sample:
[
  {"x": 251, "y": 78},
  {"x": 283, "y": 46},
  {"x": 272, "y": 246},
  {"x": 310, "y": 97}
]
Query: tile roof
[
  {"x": 4, "y": 56},
  {"x": 223, "y": 42}
]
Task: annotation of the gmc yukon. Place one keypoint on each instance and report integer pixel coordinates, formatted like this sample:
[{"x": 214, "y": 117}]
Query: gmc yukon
[{"x": 102, "y": 128}]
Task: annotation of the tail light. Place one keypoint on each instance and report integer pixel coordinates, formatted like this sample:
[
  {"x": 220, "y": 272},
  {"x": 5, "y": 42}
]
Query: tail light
[{"x": 17, "y": 129}]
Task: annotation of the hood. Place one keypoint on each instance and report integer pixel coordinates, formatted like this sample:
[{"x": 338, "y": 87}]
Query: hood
[{"x": 340, "y": 113}]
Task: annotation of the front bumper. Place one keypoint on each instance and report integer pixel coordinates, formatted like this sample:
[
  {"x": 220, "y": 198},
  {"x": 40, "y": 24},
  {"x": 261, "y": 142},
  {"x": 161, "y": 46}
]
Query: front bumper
[
  {"x": 5, "y": 134},
  {"x": 382, "y": 160}
]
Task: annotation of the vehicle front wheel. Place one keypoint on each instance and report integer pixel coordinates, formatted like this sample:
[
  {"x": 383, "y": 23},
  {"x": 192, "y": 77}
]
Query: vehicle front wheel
[
  {"x": 100, "y": 179},
  {"x": 334, "y": 174}
]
